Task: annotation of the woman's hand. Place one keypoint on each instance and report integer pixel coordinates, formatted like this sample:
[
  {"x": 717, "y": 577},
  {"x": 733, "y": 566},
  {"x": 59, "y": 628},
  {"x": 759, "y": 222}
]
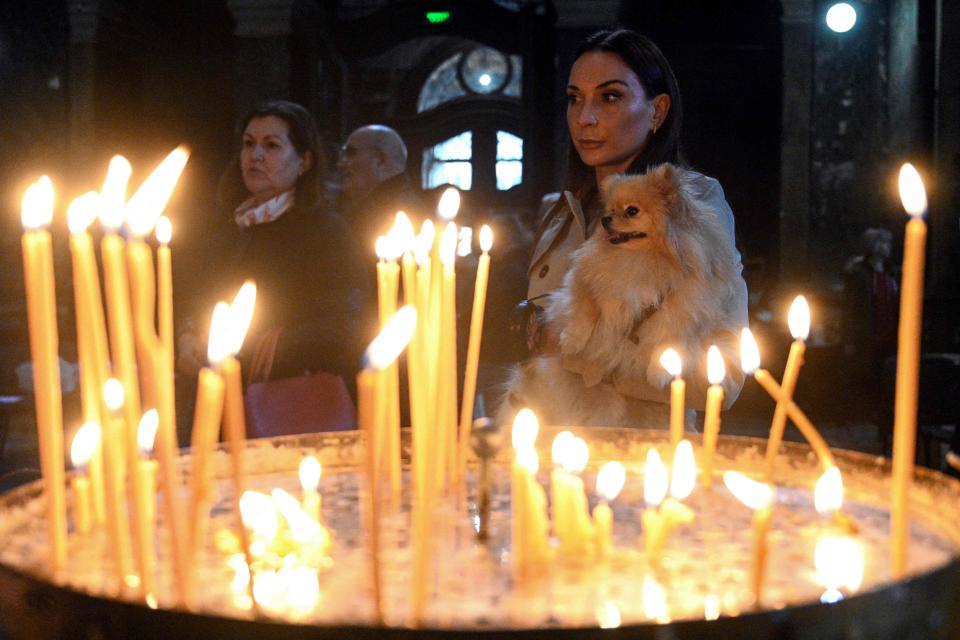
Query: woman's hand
[{"x": 190, "y": 354}]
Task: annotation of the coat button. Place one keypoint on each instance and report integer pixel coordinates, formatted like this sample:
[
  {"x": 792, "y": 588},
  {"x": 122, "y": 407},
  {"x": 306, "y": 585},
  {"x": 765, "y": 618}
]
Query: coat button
[{"x": 544, "y": 270}]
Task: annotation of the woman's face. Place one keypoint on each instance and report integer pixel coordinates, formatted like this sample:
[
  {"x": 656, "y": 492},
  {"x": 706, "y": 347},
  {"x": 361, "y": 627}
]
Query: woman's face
[
  {"x": 609, "y": 114},
  {"x": 268, "y": 160}
]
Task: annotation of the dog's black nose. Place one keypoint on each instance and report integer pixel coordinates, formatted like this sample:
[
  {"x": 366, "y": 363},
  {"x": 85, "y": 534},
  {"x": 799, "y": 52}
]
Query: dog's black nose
[{"x": 605, "y": 221}]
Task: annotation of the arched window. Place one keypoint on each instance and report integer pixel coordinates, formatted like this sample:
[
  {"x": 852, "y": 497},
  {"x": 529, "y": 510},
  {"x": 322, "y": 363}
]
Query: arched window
[{"x": 486, "y": 156}]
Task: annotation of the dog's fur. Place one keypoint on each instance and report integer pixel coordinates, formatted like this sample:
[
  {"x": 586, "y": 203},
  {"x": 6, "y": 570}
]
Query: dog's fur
[{"x": 660, "y": 271}]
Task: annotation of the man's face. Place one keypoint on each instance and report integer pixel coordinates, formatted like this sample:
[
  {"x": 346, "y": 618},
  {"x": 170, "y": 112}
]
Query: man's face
[{"x": 361, "y": 165}]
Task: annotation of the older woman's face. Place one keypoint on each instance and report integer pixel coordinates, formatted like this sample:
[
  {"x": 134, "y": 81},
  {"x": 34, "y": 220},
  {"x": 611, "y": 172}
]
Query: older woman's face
[
  {"x": 609, "y": 114},
  {"x": 268, "y": 160}
]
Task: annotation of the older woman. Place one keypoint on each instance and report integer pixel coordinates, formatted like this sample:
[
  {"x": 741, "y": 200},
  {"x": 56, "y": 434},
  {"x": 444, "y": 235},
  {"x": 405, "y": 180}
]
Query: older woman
[{"x": 310, "y": 283}]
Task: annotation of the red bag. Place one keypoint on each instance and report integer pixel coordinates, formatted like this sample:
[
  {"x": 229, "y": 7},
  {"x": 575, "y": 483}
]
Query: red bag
[{"x": 306, "y": 404}]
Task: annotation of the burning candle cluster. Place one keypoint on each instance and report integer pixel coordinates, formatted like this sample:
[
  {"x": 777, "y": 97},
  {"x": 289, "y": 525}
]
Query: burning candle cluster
[{"x": 647, "y": 551}]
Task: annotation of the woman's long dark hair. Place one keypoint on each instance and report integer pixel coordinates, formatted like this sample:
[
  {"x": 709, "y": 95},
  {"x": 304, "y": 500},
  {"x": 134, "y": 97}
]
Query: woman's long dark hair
[
  {"x": 646, "y": 60},
  {"x": 304, "y": 137}
]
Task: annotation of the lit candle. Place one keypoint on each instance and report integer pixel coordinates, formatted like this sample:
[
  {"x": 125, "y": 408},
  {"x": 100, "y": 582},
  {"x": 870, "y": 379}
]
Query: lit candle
[
  {"x": 405, "y": 240},
  {"x": 473, "y": 346},
  {"x": 799, "y": 321},
  {"x": 759, "y": 497},
  {"x": 665, "y": 513},
  {"x": 839, "y": 563},
  {"x": 114, "y": 485},
  {"x": 711, "y": 421},
  {"x": 147, "y": 497},
  {"x": 528, "y": 520},
  {"x": 828, "y": 500},
  {"x": 36, "y": 214},
  {"x": 571, "y": 454},
  {"x": 164, "y": 231},
  {"x": 610, "y": 481},
  {"x": 447, "y": 375},
  {"x": 387, "y": 425},
  {"x": 85, "y": 442},
  {"x": 381, "y": 353},
  {"x": 914, "y": 199},
  {"x": 91, "y": 333},
  {"x": 309, "y": 472},
  {"x": 207, "y": 414},
  {"x": 750, "y": 362},
  {"x": 670, "y": 360}
]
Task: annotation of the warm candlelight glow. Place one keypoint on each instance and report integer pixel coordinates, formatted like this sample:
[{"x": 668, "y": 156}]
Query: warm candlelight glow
[
  {"x": 670, "y": 360},
  {"x": 449, "y": 204},
  {"x": 610, "y": 480},
  {"x": 798, "y": 318},
  {"x": 36, "y": 210},
  {"x": 558, "y": 450},
  {"x": 310, "y": 472},
  {"x": 711, "y": 607},
  {"x": 684, "y": 470},
  {"x": 912, "y": 194},
  {"x": 303, "y": 528},
  {"x": 528, "y": 459},
  {"x": 146, "y": 205},
  {"x": 424, "y": 241},
  {"x": 219, "y": 342},
  {"x": 164, "y": 230},
  {"x": 259, "y": 514},
  {"x": 113, "y": 394},
  {"x": 749, "y": 352},
  {"x": 147, "y": 431},
  {"x": 654, "y": 480},
  {"x": 716, "y": 370},
  {"x": 241, "y": 312},
  {"x": 114, "y": 193},
  {"x": 85, "y": 442},
  {"x": 828, "y": 493},
  {"x": 465, "y": 242},
  {"x": 839, "y": 562},
  {"x": 83, "y": 211},
  {"x": 525, "y": 428},
  {"x": 486, "y": 238},
  {"x": 403, "y": 232},
  {"x": 393, "y": 339},
  {"x": 380, "y": 247},
  {"x": 608, "y": 615},
  {"x": 753, "y": 494},
  {"x": 654, "y": 600},
  {"x": 448, "y": 245}
]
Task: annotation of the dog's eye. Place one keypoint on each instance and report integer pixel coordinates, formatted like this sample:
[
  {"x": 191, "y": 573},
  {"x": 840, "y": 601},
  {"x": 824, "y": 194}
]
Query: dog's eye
[{"x": 632, "y": 211}]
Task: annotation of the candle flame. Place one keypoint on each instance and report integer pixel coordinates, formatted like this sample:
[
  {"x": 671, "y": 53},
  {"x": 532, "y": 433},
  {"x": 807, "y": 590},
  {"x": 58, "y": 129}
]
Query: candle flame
[
  {"x": 146, "y": 205},
  {"x": 608, "y": 615},
  {"x": 839, "y": 562},
  {"x": 303, "y": 528},
  {"x": 147, "y": 431},
  {"x": 241, "y": 313},
  {"x": 465, "y": 242},
  {"x": 83, "y": 211},
  {"x": 525, "y": 428},
  {"x": 558, "y": 450},
  {"x": 753, "y": 494},
  {"x": 716, "y": 370},
  {"x": 392, "y": 249},
  {"x": 912, "y": 193},
  {"x": 828, "y": 493},
  {"x": 403, "y": 232},
  {"x": 424, "y": 242},
  {"x": 36, "y": 210},
  {"x": 684, "y": 475},
  {"x": 219, "y": 341},
  {"x": 310, "y": 472},
  {"x": 114, "y": 193},
  {"x": 798, "y": 318},
  {"x": 654, "y": 480},
  {"x": 578, "y": 454},
  {"x": 259, "y": 514},
  {"x": 164, "y": 230},
  {"x": 670, "y": 360},
  {"x": 393, "y": 339},
  {"x": 113, "y": 394},
  {"x": 528, "y": 459},
  {"x": 610, "y": 480},
  {"x": 449, "y": 204},
  {"x": 486, "y": 238},
  {"x": 654, "y": 600},
  {"x": 448, "y": 245},
  {"x": 84, "y": 444},
  {"x": 711, "y": 607},
  {"x": 380, "y": 247},
  {"x": 749, "y": 352}
]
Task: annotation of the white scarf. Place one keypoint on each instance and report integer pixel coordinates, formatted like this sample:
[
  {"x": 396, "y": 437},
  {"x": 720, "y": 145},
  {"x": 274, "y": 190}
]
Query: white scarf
[{"x": 250, "y": 213}]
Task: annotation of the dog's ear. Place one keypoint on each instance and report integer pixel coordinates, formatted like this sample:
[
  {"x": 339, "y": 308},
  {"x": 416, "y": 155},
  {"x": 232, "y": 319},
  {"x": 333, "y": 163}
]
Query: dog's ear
[{"x": 664, "y": 177}]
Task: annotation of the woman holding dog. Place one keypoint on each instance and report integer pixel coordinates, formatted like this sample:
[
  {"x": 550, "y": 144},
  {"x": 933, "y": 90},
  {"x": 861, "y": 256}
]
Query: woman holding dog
[{"x": 624, "y": 117}]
